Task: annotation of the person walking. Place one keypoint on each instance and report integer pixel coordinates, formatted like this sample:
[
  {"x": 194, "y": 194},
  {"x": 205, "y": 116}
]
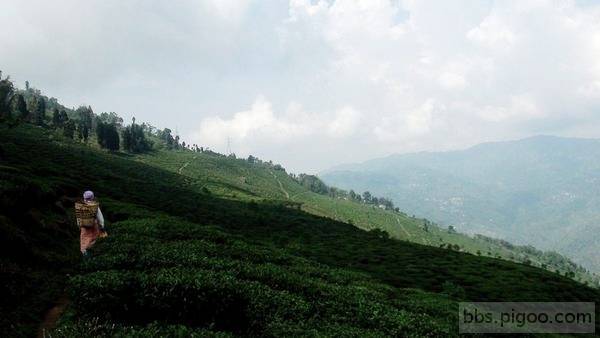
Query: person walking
[{"x": 90, "y": 221}]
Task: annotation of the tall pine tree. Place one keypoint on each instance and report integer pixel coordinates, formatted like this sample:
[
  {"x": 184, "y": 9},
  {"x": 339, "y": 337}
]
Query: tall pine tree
[
  {"x": 40, "y": 111},
  {"x": 108, "y": 136}
]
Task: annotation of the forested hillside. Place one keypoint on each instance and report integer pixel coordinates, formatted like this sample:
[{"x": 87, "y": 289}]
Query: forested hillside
[
  {"x": 206, "y": 244},
  {"x": 542, "y": 191}
]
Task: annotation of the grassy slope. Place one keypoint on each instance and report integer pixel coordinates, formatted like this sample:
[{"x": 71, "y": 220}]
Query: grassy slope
[
  {"x": 238, "y": 179},
  {"x": 136, "y": 191}
]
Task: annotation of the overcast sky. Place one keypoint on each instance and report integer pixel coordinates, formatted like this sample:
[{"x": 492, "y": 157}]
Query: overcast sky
[{"x": 311, "y": 84}]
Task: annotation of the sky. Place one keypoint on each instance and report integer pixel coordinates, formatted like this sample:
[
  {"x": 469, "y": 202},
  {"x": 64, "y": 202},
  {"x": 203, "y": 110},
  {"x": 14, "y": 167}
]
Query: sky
[{"x": 313, "y": 84}]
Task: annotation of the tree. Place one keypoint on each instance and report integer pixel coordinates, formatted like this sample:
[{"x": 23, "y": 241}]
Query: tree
[
  {"x": 63, "y": 117},
  {"x": 21, "y": 107},
  {"x": 6, "y": 93},
  {"x": 134, "y": 139},
  {"x": 108, "y": 136},
  {"x": 367, "y": 197},
  {"x": 26, "y": 85},
  {"x": 352, "y": 195},
  {"x": 167, "y": 137},
  {"x": 388, "y": 204},
  {"x": 69, "y": 129},
  {"x": 86, "y": 117},
  {"x": 112, "y": 138},
  {"x": 83, "y": 132},
  {"x": 56, "y": 117},
  {"x": 111, "y": 118},
  {"x": 313, "y": 183},
  {"x": 40, "y": 111},
  {"x": 333, "y": 191}
]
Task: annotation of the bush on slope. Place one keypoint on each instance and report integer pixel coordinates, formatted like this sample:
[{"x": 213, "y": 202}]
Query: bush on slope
[{"x": 146, "y": 272}]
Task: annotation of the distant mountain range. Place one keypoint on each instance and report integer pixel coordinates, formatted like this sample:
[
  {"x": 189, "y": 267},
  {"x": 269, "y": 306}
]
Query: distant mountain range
[{"x": 543, "y": 191}]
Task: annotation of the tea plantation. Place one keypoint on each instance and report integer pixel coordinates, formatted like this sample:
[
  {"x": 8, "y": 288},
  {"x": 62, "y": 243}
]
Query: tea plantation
[
  {"x": 187, "y": 258},
  {"x": 165, "y": 271},
  {"x": 237, "y": 179}
]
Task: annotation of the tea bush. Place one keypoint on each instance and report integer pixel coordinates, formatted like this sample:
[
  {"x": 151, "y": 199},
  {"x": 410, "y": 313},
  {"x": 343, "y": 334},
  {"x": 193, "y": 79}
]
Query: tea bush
[{"x": 148, "y": 273}]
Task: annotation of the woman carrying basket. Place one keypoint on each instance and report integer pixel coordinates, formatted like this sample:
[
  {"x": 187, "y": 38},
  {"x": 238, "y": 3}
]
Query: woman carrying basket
[{"x": 90, "y": 220}]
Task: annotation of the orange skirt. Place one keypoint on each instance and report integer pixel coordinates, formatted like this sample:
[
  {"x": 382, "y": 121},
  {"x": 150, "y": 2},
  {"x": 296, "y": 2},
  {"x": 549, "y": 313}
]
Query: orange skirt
[{"x": 88, "y": 237}]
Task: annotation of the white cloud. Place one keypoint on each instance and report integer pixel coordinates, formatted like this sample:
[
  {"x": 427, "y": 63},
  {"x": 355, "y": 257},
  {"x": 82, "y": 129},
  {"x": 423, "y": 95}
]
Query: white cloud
[
  {"x": 258, "y": 122},
  {"x": 345, "y": 122},
  {"x": 493, "y": 32},
  {"x": 419, "y": 120},
  {"x": 404, "y": 127},
  {"x": 231, "y": 10},
  {"x": 262, "y": 126},
  {"x": 519, "y": 107},
  {"x": 452, "y": 80},
  {"x": 346, "y": 80}
]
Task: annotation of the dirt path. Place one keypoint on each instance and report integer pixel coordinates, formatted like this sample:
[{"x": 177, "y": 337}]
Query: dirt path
[
  {"x": 425, "y": 240},
  {"x": 185, "y": 165},
  {"x": 287, "y": 195},
  {"x": 52, "y": 317},
  {"x": 403, "y": 228}
]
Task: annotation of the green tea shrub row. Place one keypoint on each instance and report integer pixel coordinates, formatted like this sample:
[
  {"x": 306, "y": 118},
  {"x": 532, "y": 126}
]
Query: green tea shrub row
[
  {"x": 222, "y": 300},
  {"x": 94, "y": 327},
  {"x": 194, "y": 298}
]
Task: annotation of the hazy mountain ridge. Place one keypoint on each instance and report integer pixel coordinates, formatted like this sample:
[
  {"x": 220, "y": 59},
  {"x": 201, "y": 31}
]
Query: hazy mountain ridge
[{"x": 541, "y": 190}]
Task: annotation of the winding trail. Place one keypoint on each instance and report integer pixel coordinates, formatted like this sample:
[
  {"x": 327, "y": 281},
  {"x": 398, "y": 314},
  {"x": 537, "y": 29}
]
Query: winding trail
[
  {"x": 186, "y": 164},
  {"x": 408, "y": 235},
  {"x": 287, "y": 195},
  {"x": 52, "y": 317}
]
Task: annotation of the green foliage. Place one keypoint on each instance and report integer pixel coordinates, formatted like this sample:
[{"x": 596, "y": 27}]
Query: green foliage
[
  {"x": 134, "y": 139},
  {"x": 313, "y": 183},
  {"x": 167, "y": 138},
  {"x": 107, "y": 135},
  {"x": 453, "y": 290},
  {"x": 37, "y": 247},
  {"x": 69, "y": 129},
  {"x": 86, "y": 118},
  {"x": 6, "y": 93},
  {"x": 20, "y": 107},
  {"x": 40, "y": 111},
  {"x": 213, "y": 280},
  {"x": 110, "y": 118},
  {"x": 93, "y": 327},
  {"x": 316, "y": 185},
  {"x": 55, "y": 117}
]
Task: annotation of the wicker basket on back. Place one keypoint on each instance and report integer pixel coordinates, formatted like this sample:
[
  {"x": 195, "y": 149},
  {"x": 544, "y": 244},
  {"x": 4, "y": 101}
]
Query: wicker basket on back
[{"x": 86, "y": 214}]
